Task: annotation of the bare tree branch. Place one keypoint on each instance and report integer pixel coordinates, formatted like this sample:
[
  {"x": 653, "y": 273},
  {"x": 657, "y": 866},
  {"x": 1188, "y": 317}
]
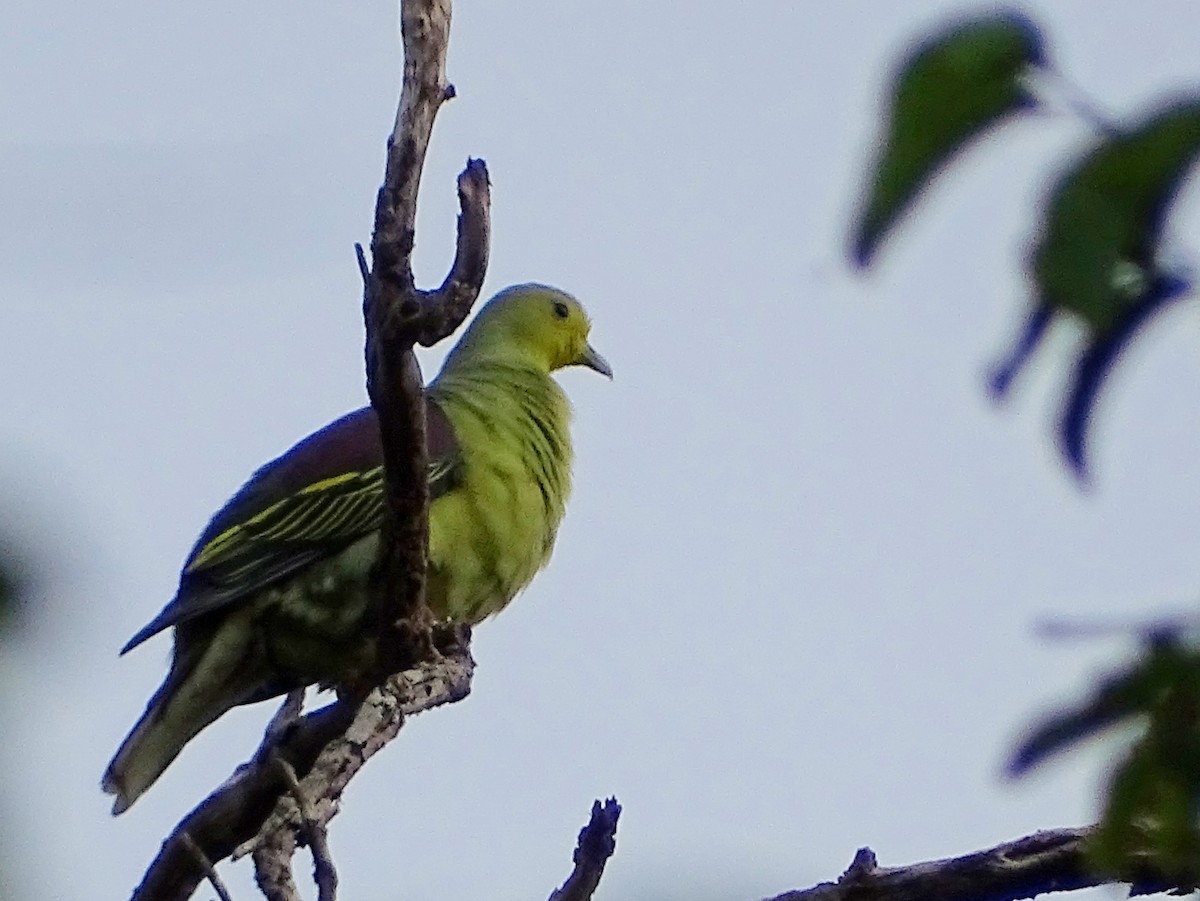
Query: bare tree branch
[
  {"x": 235, "y": 811},
  {"x": 398, "y": 316},
  {"x": 379, "y": 720},
  {"x": 597, "y": 842},
  {"x": 328, "y": 745},
  {"x": 1048, "y": 861},
  {"x": 273, "y": 856},
  {"x": 273, "y": 869}
]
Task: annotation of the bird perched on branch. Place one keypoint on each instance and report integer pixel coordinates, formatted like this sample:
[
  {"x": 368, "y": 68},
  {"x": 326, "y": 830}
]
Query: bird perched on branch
[{"x": 274, "y": 595}]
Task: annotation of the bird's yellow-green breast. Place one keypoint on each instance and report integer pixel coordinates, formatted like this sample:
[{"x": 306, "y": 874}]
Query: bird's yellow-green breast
[{"x": 488, "y": 538}]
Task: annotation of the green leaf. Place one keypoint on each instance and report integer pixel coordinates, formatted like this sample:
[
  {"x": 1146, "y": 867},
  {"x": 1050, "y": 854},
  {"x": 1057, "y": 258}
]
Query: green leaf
[
  {"x": 1151, "y": 820},
  {"x": 1125, "y": 694},
  {"x": 1096, "y": 256},
  {"x": 1151, "y": 813},
  {"x": 1117, "y": 839},
  {"x": 1097, "y": 361},
  {"x": 955, "y": 86}
]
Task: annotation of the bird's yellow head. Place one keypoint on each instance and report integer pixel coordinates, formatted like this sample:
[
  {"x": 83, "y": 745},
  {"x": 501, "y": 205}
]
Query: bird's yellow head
[{"x": 531, "y": 325}]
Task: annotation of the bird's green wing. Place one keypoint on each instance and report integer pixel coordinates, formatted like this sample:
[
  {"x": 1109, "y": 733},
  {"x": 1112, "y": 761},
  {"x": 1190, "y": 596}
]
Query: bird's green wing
[
  {"x": 291, "y": 533},
  {"x": 309, "y": 504}
]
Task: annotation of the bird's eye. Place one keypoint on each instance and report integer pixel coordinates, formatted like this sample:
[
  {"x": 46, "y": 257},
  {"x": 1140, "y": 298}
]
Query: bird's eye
[{"x": 561, "y": 310}]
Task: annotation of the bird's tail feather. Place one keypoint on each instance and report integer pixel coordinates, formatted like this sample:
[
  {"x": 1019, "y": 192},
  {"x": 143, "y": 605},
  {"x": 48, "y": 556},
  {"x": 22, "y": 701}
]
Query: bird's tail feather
[{"x": 195, "y": 693}]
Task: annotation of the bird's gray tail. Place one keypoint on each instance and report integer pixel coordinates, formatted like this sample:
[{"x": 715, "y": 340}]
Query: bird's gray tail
[{"x": 195, "y": 693}]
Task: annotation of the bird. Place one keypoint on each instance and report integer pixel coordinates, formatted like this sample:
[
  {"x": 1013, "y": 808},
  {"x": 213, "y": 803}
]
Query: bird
[{"x": 274, "y": 594}]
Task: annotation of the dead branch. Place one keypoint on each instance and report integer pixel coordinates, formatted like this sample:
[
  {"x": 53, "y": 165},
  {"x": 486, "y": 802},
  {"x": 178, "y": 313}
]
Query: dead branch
[
  {"x": 398, "y": 316},
  {"x": 597, "y": 842},
  {"x": 379, "y": 720},
  {"x": 328, "y": 745},
  {"x": 1047, "y": 861},
  {"x": 273, "y": 869},
  {"x": 315, "y": 834}
]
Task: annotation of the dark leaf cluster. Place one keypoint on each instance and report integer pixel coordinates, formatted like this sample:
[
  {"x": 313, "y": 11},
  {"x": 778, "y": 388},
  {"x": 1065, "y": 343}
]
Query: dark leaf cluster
[{"x": 1097, "y": 254}]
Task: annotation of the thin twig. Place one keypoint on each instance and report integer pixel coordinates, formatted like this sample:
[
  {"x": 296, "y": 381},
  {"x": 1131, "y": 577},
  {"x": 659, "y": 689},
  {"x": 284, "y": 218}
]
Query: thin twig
[
  {"x": 363, "y": 269},
  {"x": 324, "y": 871},
  {"x": 285, "y": 717},
  {"x": 1054, "y": 89},
  {"x": 210, "y": 872}
]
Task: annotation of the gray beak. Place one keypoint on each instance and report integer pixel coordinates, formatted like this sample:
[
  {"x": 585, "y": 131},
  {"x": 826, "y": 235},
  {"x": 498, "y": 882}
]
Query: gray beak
[{"x": 592, "y": 360}]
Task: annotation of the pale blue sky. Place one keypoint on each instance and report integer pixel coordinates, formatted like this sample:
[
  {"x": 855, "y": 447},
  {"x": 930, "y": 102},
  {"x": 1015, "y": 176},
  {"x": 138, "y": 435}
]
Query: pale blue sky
[{"x": 792, "y": 607}]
